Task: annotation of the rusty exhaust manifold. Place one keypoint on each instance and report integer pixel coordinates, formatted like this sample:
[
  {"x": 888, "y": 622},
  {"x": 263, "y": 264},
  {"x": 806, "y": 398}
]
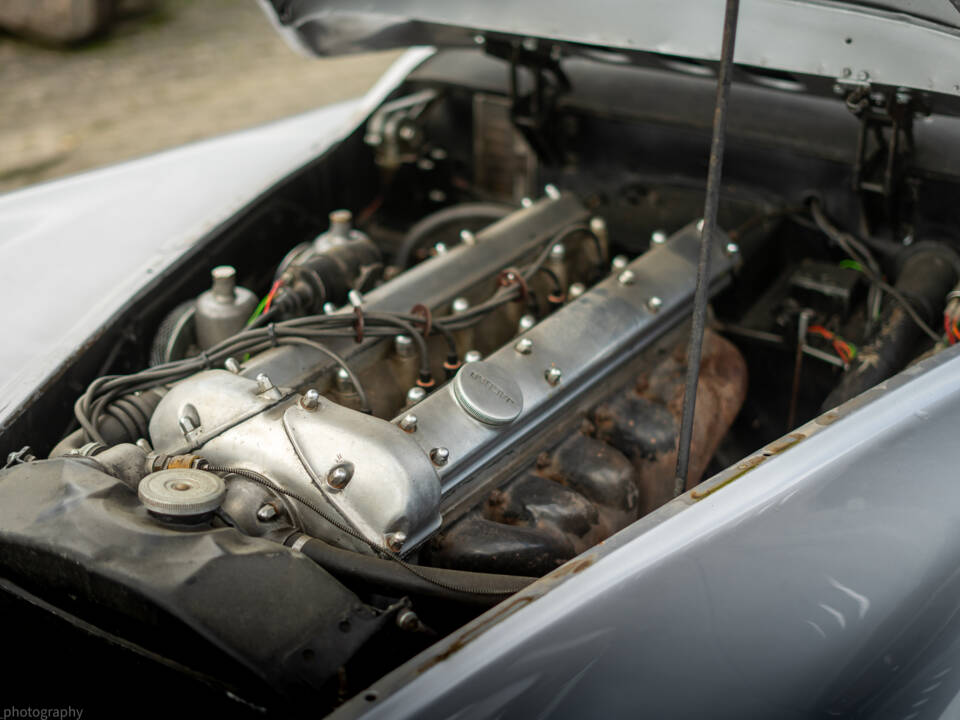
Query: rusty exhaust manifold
[{"x": 617, "y": 468}]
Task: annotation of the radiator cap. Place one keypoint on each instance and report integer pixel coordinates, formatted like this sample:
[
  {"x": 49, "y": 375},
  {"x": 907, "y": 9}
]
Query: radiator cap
[
  {"x": 488, "y": 393},
  {"x": 182, "y": 495}
]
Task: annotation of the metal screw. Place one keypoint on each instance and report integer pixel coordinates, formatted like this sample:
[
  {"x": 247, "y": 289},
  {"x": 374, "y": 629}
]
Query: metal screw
[
  {"x": 340, "y": 474},
  {"x": 186, "y": 424},
  {"x": 619, "y": 262},
  {"x": 415, "y": 395},
  {"x": 440, "y": 248},
  {"x": 902, "y": 96},
  {"x": 395, "y": 540},
  {"x": 658, "y": 237},
  {"x": 439, "y": 456},
  {"x": 700, "y": 225},
  {"x": 344, "y": 383},
  {"x": 329, "y": 308},
  {"x": 437, "y": 195},
  {"x": 731, "y": 248},
  {"x": 576, "y": 290},
  {"x": 468, "y": 238},
  {"x": 627, "y": 277},
  {"x": 406, "y": 132},
  {"x": 232, "y": 365},
  {"x": 407, "y": 620},
  {"x": 408, "y": 423},
  {"x": 438, "y": 154},
  {"x": 479, "y": 39},
  {"x": 527, "y": 322},
  {"x": 524, "y": 346},
  {"x": 403, "y": 346},
  {"x": 553, "y": 375},
  {"x": 551, "y": 192},
  {"x": 263, "y": 383},
  {"x": 530, "y": 44},
  {"x": 863, "y": 75},
  {"x": 266, "y": 513},
  {"x": 526, "y": 202},
  {"x": 472, "y": 356},
  {"x": 847, "y": 72},
  {"x": 355, "y": 298},
  {"x": 425, "y": 164},
  {"x": 310, "y": 400},
  {"x": 459, "y": 305},
  {"x": 558, "y": 251},
  {"x": 908, "y": 239},
  {"x": 654, "y": 304}
]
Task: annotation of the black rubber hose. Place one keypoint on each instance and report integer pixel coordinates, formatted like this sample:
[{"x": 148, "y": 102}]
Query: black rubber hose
[
  {"x": 467, "y": 215},
  {"x": 427, "y": 582},
  {"x": 926, "y": 278},
  {"x": 125, "y": 420}
]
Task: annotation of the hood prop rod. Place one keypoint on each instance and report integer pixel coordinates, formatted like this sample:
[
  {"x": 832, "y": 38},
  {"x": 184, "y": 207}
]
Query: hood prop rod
[{"x": 707, "y": 235}]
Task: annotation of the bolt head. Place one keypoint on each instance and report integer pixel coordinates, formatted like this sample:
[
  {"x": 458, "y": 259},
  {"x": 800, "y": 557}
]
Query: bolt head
[
  {"x": 468, "y": 238},
  {"x": 440, "y": 248},
  {"x": 479, "y": 40},
  {"x": 340, "y": 474},
  {"x": 658, "y": 237},
  {"x": 576, "y": 290},
  {"x": 403, "y": 346},
  {"x": 627, "y": 277},
  {"x": 408, "y": 423},
  {"x": 654, "y": 304},
  {"x": 731, "y": 248},
  {"x": 524, "y": 346},
  {"x": 700, "y": 225},
  {"x": 439, "y": 456},
  {"x": 407, "y": 132},
  {"x": 527, "y": 322},
  {"x": 437, "y": 195},
  {"x": 551, "y": 192},
  {"x": 267, "y": 512},
  {"x": 264, "y": 383},
  {"x": 395, "y": 540},
  {"x": 558, "y": 251},
  {"x": 526, "y": 202},
  {"x": 232, "y": 365},
  {"x": 415, "y": 395},
  {"x": 472, "y": 356},
  {"x": 619, "y": 262},
  {"x": 310, "y": 400},
  {"x": 553, "y": 375},
  {"x": 460, "y": 304},
  {"x": 343, "y": 381}
]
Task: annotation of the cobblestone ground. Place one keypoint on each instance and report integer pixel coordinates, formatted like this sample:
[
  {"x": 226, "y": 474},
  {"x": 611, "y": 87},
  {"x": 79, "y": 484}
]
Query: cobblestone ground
[{"x": 177, "y": 73}]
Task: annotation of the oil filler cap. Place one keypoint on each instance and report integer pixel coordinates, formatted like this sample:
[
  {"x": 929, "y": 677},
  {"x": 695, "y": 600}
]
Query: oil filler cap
[
  {"x": 182, "y": 495},
  {"x": 487, "y": 393}
]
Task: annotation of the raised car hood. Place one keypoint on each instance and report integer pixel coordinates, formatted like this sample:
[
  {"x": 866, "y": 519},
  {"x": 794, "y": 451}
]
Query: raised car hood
[{"x": 904, "y": 43}]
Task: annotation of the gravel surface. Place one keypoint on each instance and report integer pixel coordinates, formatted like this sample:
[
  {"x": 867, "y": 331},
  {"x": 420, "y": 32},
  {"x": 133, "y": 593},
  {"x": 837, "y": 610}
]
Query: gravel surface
[{"x": 177, "y": 73}]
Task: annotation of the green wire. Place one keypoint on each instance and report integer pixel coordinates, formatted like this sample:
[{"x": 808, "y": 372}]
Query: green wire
[
  {"x": 851, "y": 265},
  {"x": 260, "y": 307}
]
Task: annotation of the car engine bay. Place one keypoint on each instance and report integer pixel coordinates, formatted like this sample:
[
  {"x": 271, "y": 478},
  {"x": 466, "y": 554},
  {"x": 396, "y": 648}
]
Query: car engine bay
[{"x": 449, "y": 356}]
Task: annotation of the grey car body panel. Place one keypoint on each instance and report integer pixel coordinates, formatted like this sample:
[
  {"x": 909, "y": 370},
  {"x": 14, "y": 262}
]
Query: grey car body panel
[
  {"x": 829, "y": 39},
  {"x": 819, "y": 576},
  {"x": 76, "y": 250}
]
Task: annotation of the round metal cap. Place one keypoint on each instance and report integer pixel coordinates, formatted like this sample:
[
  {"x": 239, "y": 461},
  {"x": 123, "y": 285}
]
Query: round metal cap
[
  {"x": 488, "y": 393},
  {"x": 182, "y": 492}
]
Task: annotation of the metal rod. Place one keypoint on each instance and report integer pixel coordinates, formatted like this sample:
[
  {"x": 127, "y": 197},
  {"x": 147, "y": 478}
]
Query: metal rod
[{"x": 714, "y": 171}]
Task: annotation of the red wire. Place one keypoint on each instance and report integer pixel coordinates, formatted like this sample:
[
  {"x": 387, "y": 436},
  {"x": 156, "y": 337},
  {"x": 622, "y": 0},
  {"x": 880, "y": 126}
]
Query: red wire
[
  {"x": 950, "y": 328},
  {"x": 273, "y": 291}
]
